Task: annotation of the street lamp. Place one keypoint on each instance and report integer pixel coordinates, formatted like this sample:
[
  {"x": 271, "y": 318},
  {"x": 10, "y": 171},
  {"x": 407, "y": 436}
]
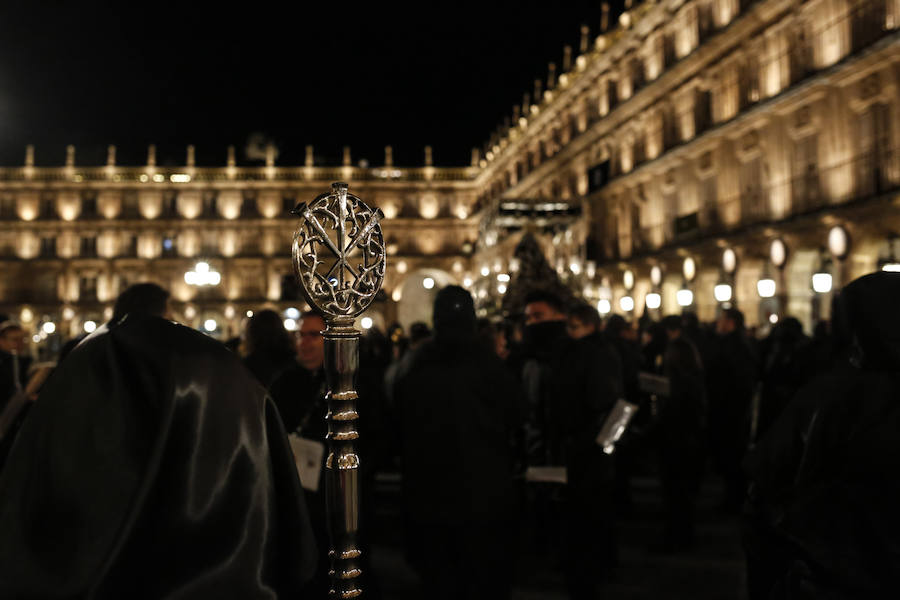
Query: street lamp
[
  {"x": 821, "y": 282},
  {"x": 653, "y": 300},
  {"x": 766, "y": 287},
  {"x": 603, "y": 306},
  {"x": 684, "y": 297},
  {"x": 722, "y": 292},
  {"x": 202, "y": 275}
]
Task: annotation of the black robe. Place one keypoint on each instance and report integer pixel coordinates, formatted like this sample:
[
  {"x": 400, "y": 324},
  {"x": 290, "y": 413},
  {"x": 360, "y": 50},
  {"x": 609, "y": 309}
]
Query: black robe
[{"x": 152, "y": 466}]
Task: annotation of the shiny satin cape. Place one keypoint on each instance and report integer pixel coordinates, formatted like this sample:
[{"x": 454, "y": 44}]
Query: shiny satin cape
[{"x": 153, "y": 466}]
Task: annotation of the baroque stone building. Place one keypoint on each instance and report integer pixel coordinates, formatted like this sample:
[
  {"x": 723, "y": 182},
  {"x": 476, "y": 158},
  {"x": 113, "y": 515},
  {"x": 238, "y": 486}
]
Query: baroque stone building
[
  {"x": 726, "y": 150},
  {"x": 699, "y": 153}
]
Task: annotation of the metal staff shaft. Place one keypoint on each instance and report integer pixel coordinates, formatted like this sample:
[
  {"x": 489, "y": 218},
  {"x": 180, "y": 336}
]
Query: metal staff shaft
[
  {"x": 342, "y": 465},
  {"x": 339, "y": 258}
]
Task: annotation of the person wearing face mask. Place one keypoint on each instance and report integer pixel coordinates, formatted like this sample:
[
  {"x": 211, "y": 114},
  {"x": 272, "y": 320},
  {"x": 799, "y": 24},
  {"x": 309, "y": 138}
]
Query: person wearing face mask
[{"x": 570, "y": 386}]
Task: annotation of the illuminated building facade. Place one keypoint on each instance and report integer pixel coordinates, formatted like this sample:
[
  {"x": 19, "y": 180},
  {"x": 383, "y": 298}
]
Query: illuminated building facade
[
  {"x": 700, "y": 131},
  {"x": 72, "y": 238},
  {"x": 713, "y": 152}
]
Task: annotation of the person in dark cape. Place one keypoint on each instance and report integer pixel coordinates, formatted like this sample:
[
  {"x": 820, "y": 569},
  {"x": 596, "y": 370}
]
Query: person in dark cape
[
  {"x": 154, "y": 466},
  {"x": 270, "y": 348},
  {"x": 822, "y": 519},
  {"x": 458, "y": 411}
]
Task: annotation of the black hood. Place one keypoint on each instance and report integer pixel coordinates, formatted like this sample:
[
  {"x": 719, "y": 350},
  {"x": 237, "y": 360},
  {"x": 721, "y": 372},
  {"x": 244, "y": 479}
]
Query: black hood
[
  {"x": 867, "y": 315},
  {"x": 152, "y": 465},
  {"x": 454, "y": 314}
]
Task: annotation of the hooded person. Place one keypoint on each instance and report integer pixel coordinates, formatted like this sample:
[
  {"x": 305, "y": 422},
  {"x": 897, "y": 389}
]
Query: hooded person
[
  {"x": 457, "y": 411},
  {"x": 822, "y": 521},
  {"x": 154, "y": 466}
]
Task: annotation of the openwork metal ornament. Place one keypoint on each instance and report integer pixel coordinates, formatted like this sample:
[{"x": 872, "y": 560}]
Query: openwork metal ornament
[
  {"x": 339, "y": 259},
  {"x": 338, "y": 253}
]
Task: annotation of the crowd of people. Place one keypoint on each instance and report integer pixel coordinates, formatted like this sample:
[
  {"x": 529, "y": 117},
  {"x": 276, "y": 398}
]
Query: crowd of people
[{"x": 148, "y": 431}]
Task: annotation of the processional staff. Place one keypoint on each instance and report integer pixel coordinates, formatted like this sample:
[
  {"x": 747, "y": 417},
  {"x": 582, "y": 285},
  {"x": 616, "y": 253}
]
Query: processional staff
[{"x": 339, "y": 259}]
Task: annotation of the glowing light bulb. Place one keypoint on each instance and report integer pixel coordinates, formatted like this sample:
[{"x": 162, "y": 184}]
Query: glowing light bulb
[
  {"x": 765, "y": 288},
  {"x": 722, "y": 292},
  {"x": 653, "y": 300},
  {"x": 684, "y": 297},
  {"x": 821, "y": 282}
]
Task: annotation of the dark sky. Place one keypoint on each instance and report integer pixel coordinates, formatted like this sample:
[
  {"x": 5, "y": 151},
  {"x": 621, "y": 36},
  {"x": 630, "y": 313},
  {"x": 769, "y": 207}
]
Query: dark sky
[{"x": 364, "y": 74}]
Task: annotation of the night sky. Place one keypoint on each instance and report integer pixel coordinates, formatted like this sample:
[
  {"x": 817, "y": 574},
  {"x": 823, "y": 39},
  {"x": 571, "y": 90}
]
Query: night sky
[{"x": 359, "y": 74}]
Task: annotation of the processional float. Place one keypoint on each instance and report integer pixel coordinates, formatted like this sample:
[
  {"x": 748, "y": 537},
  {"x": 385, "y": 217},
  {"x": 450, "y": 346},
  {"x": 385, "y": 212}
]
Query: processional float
[{"x": 339, "y": 259}]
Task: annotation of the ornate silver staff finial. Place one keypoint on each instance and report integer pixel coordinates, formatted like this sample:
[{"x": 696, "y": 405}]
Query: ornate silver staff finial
[{"x": 339, "y": 259}]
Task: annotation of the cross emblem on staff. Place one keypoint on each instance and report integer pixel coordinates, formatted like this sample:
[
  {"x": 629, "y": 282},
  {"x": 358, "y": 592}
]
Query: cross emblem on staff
[{"x": 341, "y": 223}]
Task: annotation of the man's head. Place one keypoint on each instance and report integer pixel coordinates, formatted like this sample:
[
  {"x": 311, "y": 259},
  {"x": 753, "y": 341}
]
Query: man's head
[
  {"x": 541, "y": 307},
  {"x": 266, "y": 333},
  {"x": 418, "y": 333},
  {"x": 12, "y": 337},
  {"x": 729, "y": 321},
  {"x": 143, "y": 299},
  {"x": 311, "y": 344},
  {"x": 454, "y": 314},
  {"x": 673, "y": 325},
  {"x": 584, "y": 320}
]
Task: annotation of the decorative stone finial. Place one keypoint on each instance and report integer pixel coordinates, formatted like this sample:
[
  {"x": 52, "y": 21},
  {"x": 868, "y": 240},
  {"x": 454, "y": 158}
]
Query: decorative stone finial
[
  {"x": 604, "y": 18},
  {"x": 551, "y": 75},
  {"x": 110, "y": 156},
  {"x": 584, "y": 44},
  {"x": 151, "y": 155},
  {"x": 388, "y": 156},
  {"x": 476, "y": 157},
  {"x": 29, "y": 155},
  {"x": 347, "y": 159},
  {"x": 270, "y": 155},
  {"x": 231, "y": 162},
  {"x": 70, "y": 156},
  {"x": 429, "y": 162},
  {"x": 191, "y": 156},
  {"x": 567, "y": 58},
  {"x": 310, "y": 157}
]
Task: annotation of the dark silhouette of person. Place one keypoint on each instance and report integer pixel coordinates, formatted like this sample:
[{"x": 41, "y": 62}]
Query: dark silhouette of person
[
  {"x": 458, "y": 411},
  {"x": 679, "y": 434},
  {"x": 142, "y": 299},
  {"x": 16, "y": 398},
  {"x": 269, "y": 346},
  {"x": 571, "y": 386},
  {"x": 731, "y": 379},
  {"x": 153, "y": 466},
  {"x": 822, "y": 520},
  {"x": 783, "y": 370},
  {"x": 299, "y": 392}
]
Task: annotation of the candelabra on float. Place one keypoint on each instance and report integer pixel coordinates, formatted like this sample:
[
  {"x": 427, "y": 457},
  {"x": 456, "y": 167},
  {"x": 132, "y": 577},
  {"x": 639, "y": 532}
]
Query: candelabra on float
[{"x": 339, "y": 259}]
